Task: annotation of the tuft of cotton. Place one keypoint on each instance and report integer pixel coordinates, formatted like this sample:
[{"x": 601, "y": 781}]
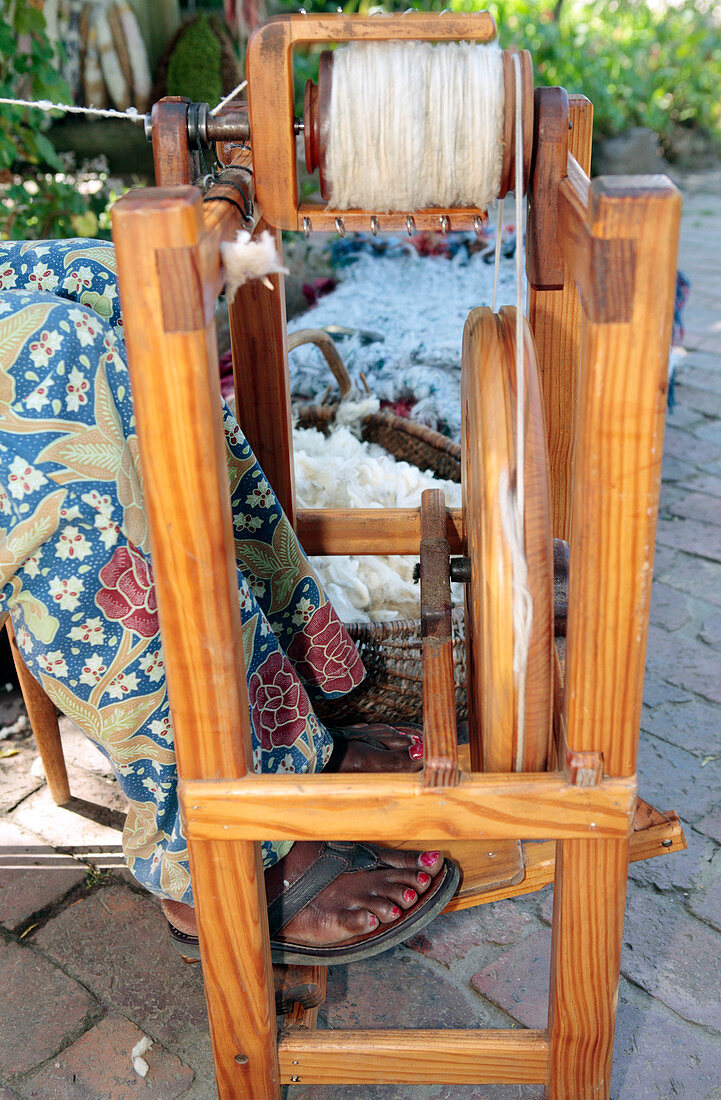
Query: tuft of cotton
[
  {"x": 341, "y": 471},
  {"x": 246, "y": 258},
  {"x": 140, "y": 1066}
]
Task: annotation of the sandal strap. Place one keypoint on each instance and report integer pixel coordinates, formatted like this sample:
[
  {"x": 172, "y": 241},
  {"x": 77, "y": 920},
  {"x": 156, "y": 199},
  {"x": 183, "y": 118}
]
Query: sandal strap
[{"x": 334, "y": 859}]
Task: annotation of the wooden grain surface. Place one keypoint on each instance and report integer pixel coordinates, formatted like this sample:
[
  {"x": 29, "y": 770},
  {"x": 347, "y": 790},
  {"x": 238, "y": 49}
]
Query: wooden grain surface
[
  {"x": 588, "y": 908},
  {"x": 171, "y": 161},
  {"x": 555, "y": 317},
  {"x": 440, "y": 735},
  {"x": 262, "y": 387},
  {"x": 43, "y": 717},
  {"x": 544, "y": 261},
  {"x": 618, "y": 450},
  {"x": 501, "y": 740},
  {"x": 370, "y": 530},
  {"x": 399, "y": 807},
  {"x": 175, "y": 380},
  {"x": 397, "y": 1057}
]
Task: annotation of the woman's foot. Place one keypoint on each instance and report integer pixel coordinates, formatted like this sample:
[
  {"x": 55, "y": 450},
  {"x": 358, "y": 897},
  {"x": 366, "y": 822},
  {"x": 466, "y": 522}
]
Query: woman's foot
[
  {"x": 358, "y": 900},
  {"x": 379, "y": 888},
  {"x": 376, "y": 747}
]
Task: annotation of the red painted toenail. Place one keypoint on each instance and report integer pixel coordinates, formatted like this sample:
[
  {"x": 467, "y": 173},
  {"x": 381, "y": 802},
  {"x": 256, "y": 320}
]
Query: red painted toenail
[
  {"x": 416, "y": 739},
  {"x": 429, "y": 858},
  {"x": 416, "y": 751},
  {"x": 372, "y": 921},
  {"x": 410, "y": 895},
  {"x": 395, "y": 912},
  {"x": 423, "y": 879}
]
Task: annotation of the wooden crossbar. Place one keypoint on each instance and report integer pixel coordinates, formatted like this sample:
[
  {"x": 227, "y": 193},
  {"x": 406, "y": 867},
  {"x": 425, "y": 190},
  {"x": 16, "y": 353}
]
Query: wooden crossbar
[
  {"x": 413, "y": 1057},
  {"x": 396, "y": 806}
]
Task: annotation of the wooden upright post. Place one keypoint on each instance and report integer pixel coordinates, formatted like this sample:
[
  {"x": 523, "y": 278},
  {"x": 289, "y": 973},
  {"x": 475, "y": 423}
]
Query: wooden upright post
[
  {"x": 620, "y": 240},
  {"x": 167, "y": 265},
  {"x": 555, "y": 316},
  {"x": 262, "y": 388}
]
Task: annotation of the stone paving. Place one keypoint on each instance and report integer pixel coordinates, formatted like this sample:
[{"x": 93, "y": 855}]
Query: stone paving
[{"x": 86, "y": 971}]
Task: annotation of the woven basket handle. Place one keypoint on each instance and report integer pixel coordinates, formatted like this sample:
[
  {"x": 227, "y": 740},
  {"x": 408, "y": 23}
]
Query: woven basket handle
[{"x": 330, "y": 352}]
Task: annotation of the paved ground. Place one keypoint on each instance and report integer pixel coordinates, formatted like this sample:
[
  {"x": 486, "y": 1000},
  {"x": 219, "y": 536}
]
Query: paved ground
[{"x": 84, "y": 967}]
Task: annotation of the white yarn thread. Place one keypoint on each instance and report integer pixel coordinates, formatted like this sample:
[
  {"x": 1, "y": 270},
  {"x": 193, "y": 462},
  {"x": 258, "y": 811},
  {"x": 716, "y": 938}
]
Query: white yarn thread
[
  {"x": 231, "y": 95},
  {"x": 130, "y": 114},
  {"x": 412, "y": 125},
  {"x": 497, "y": 257}
]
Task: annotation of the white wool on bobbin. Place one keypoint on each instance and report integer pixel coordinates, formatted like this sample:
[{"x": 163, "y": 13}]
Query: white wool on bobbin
[
  {"x": 340, "y": 471},
  {"x": 412, "y": 124}
]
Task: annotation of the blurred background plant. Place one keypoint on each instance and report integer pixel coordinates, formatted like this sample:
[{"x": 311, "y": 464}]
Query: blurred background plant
[{"x": 42, "y": 193}]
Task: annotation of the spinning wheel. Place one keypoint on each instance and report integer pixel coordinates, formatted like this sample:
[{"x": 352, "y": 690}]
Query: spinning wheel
[
  {"x": 512, "y": 732},
  {"x": 601, "y": 261}
]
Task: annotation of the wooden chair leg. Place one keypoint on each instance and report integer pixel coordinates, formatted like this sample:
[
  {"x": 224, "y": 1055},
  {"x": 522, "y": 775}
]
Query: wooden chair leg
[
  {"x": 44, "y": 724},
  {"x": 588, "y": 908}
]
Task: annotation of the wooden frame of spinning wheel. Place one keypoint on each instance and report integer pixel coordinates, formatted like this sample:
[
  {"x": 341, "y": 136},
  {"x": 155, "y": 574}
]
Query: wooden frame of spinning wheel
[{"x": 602, "y": 327}]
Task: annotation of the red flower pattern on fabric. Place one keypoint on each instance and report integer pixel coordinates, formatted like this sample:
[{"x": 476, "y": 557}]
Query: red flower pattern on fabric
[
  {"x": 278, "y": 702},
  {"x": 128, "y": 594},
  {"x": 324, "y": 654}
]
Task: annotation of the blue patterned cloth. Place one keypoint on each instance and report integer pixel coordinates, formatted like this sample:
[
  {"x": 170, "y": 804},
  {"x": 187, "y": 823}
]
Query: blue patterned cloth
[{"x": 75, "y": 569}]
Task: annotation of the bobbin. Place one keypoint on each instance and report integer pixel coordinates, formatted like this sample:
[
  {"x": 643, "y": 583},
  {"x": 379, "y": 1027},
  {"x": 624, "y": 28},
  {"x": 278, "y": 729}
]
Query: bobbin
[
  {"x": 274, "y": 127},
  {"x": 316, "y": 109}
]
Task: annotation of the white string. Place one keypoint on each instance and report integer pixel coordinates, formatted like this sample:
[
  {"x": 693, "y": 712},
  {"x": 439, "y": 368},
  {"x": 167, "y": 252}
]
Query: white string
[
  {"x": 130, "y": 114},
  {"x": 231, "y": 95},
  {"x": 497, "y": 262},
  {"x": 413, "y": 125}
]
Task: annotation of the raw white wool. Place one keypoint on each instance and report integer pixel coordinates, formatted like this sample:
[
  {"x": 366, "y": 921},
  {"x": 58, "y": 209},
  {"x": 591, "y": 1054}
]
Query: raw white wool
[
  {"x": 140, "y": 1066},
  {"x": 412, "y": 124},
  {"x": 340, "y": 471},
  {"x": 245, "y": 258},
  {"x": 141, "y": 1047},
  {"x": 418, "y": 305}
]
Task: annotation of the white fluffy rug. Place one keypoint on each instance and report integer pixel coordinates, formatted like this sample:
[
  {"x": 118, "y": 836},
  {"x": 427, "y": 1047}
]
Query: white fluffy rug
[{"x": 418, "y": 305}]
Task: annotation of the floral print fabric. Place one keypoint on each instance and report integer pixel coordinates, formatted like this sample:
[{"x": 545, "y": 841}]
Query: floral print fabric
[{"x": 75, "y": 570}]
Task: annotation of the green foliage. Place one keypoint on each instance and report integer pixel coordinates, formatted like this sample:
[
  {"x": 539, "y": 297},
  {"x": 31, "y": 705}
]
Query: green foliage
[
  {"x": 26, "y": 72},
  {"x": 69, "y": 203},
  {"x": 639, "y": 66},
  {"x": 194, "y": 69},
  {"x": 657, "y": 66},
  {"x": 42, "y": 194}
]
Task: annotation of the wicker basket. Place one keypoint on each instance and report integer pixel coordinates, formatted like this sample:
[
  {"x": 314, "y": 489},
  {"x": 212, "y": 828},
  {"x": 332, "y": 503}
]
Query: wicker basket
[
  {"x": 415, "y": 443},
  {"x": 392, "y": 691},
  {"x": 391, "y": 651}
]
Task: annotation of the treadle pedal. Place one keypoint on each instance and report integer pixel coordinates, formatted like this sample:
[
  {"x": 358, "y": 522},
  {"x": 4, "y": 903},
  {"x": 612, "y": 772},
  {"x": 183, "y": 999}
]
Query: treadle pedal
[{"x": 304, "y": 986}]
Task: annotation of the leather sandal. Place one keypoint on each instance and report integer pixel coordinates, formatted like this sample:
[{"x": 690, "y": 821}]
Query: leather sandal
[
  {"x": 342, "y": 857},
  {"x": 334, "y": 859}
]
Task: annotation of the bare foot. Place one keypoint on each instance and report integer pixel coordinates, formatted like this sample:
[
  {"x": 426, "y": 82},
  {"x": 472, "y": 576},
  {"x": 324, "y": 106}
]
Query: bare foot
[
  {"x": 376, "y": 747},
  {"x": 357, "y": 901}
]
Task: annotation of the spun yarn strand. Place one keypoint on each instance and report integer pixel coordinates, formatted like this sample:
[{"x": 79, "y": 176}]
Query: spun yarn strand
[{"x": 413, "y": 125}]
